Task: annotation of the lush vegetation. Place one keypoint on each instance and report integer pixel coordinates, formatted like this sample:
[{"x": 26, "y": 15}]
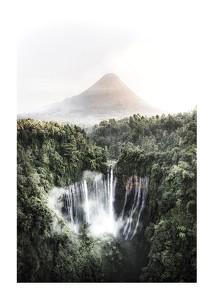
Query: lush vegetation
[
  {"x": 151, "y": 134},
  {"x": 52, "y": 154},
  {"x": 163, "y": 148}
]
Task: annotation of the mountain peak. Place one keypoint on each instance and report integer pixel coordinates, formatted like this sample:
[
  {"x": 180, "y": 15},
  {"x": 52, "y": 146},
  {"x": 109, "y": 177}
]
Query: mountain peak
[
  {"x": 107, "y": 84},
  {"x": 110, "y": 75},
  {"x": 109, "y": 79},
  {"x": 107, "y": 98}
]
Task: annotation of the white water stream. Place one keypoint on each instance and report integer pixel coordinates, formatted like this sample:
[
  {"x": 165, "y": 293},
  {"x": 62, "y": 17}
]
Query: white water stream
[{"x": 92, "y": 201}]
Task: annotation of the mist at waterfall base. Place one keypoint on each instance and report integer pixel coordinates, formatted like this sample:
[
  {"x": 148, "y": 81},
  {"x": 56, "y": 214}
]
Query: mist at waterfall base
[{"x": 91, "y": 201}]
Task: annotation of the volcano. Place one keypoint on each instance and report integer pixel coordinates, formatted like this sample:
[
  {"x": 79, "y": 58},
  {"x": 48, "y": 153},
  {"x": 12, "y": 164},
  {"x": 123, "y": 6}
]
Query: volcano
[{"x": 108, "y": 98}]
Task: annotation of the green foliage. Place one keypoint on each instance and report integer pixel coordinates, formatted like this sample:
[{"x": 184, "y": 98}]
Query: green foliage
[
  {"x": 51, "y": 154},
  {"x": 113, "y": 258},
  {"x": 148, "y": 133},
  {"x": 60, "y": 152},
  {"x": 163, "y": 148}
]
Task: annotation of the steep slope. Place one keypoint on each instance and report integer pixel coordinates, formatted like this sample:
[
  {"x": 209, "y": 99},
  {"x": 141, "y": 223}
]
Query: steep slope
[{"x": 108, "y": 98}]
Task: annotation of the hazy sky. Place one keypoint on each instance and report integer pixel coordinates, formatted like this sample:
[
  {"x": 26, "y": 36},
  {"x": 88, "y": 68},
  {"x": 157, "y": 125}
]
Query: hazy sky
[{"x": 153, "y": 46}]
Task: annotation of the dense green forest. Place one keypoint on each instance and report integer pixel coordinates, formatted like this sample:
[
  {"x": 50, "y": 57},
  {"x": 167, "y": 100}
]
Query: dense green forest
[
  {"x": 52, "y": 154},
  {"x": 163, "y": 148}
]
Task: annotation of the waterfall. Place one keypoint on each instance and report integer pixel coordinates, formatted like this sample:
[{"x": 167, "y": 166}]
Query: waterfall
[
  {"x": 86, "y": 201},
  {"x": 92, "y": 201},
  {"x": 139, "y": 186},
  {"x": 111, "y": 189},
  {"x": 145, "y": 191},
  {"x": 124, "y": 205}
]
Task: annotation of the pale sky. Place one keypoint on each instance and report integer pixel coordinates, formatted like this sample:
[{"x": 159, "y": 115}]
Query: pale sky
[{"x": 153, "y": 46}]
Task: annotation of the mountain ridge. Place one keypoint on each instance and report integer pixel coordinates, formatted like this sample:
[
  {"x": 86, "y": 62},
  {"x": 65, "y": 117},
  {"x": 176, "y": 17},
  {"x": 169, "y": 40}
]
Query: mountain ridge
[{"x": 107, "y": 98}]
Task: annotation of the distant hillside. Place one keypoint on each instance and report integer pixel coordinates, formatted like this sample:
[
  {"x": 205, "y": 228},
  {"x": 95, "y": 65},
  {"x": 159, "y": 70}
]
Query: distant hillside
[{"x": 108, "y": 98}]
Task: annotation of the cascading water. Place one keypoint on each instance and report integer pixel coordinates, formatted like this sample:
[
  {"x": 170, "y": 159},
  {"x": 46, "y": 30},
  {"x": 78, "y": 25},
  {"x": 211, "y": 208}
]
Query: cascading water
[
  {"x": 111, "y": 198},
  {"x": 92, "y": 201},
  {"x": 86, "y": 201},
  {"x": 140, "y": 193}
]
